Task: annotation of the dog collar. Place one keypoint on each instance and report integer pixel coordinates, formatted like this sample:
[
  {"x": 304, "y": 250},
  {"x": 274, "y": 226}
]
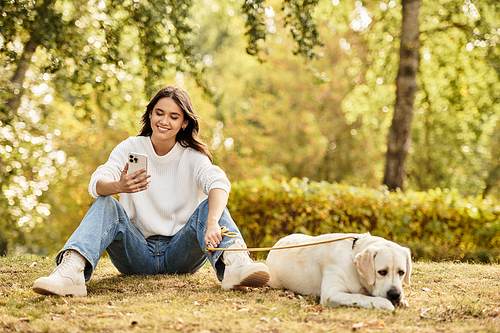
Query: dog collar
[{"x": 355, "y": 239}]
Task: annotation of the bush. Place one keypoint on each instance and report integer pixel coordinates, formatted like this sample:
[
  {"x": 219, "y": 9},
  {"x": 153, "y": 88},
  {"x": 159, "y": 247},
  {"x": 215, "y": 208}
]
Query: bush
[{"x": 438, "y": 224}]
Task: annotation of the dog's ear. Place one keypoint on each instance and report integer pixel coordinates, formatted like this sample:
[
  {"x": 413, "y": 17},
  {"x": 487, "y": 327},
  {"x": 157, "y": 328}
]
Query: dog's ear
[
  {"x": 365, "y": 265},
  {"x": 406, "y": 279}
]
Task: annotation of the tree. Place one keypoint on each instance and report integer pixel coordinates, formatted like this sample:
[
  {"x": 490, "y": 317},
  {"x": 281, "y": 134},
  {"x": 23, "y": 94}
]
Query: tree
[
  {"x": 480, "y": 29},
  {"x": 304, "y": 115},
  {"x": 399, "y": 140},
  {"x": 93, "y": 55},
  {"x": 303, "y": 29},
  {"x": 456, "y": 107}
]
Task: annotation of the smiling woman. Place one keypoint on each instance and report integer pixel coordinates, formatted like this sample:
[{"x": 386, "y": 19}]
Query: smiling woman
[
  {"x": 177, "y": 104},
  {"x": 163, "y": 222},
  {"x": 167, "y": 119}
]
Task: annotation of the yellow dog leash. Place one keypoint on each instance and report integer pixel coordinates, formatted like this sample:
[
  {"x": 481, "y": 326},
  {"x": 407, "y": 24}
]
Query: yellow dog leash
[{"x": 225, "y": 232}]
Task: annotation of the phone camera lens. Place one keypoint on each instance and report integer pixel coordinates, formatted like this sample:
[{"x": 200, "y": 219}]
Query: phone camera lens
[
  {"x": 131, "y": 160},
  {"x": 135, "y": 160}
]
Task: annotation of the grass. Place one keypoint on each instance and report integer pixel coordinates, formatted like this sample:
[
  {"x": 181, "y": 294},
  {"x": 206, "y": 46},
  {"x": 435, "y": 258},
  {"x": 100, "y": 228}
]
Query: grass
[{"x": 443, "y": 297}]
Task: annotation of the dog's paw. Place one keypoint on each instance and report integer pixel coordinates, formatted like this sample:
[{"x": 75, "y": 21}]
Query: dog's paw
[
  {"x": 383, "y": 304},
  {"x": 403, "y": 304}
]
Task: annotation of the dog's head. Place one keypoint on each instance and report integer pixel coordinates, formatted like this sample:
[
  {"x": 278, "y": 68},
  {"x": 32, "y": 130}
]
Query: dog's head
[{"x": 385, "y": 268}]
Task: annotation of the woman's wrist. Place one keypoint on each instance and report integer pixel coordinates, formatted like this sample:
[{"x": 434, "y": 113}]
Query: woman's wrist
[
  {"x": 212, "y": 221},
  {"x": 106, "y": 187}
]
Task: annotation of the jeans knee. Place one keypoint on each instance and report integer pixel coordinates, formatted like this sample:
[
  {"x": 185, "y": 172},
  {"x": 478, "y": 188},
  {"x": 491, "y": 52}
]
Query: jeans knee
[
  {"x": 203, "y": 205},
  {"x": 106, "y": 202},
  {"x": 108, "y": 199}
]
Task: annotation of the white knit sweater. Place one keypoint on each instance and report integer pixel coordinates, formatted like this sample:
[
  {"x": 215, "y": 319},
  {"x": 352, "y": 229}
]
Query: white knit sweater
[{"x": 180, "y": 181}]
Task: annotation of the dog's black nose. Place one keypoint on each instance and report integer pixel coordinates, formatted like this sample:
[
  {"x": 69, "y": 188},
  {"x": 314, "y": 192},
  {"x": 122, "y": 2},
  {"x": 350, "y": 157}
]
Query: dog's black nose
[{"x": 394, "y": 295}]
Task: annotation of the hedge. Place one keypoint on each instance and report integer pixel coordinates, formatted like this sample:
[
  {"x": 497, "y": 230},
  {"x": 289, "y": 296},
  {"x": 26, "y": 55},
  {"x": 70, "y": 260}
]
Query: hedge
[{"x": 436, "y": 225}]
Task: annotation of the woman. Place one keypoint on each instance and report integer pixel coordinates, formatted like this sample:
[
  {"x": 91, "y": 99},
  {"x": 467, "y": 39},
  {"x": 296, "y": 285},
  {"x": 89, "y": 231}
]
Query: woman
[{"x": 162, "y": 224}]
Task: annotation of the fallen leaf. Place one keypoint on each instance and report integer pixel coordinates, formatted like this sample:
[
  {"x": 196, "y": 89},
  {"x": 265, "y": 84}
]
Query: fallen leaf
[
  {"x": 313, "y": 308},
  {"x": 179, "y": 325},
  {"x": 424, "y": 312},
  {"x": 201, "y": 301},
  {"x": 377, "y": 324},
  {"x": 357, "y": 326},
  {"x": 459, "y": 287},
  {"x": 494, "y": 313}
]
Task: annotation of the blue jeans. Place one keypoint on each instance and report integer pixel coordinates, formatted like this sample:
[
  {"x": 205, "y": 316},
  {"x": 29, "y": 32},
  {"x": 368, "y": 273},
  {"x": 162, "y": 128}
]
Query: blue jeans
[{"x": 106, "y": 226}]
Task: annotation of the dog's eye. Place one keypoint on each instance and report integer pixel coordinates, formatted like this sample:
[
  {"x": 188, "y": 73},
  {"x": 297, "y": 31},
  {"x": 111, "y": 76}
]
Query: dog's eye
[
  {"x": 383, "y": 272},
  {"x": 401, "y": 273}
]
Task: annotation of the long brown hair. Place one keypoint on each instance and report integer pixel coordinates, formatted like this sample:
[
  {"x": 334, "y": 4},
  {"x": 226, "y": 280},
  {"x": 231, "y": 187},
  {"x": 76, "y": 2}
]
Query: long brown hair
[{"x": 187, "y": 137}]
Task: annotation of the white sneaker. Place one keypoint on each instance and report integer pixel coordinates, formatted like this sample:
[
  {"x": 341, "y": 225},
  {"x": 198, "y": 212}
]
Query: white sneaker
[
  {"x": 241, "y": 271},
  {"x": 66, "y": 279}
]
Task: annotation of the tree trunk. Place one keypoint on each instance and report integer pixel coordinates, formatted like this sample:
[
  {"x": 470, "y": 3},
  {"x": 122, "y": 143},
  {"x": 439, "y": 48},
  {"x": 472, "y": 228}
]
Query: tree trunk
[
  {"x": 399, "y": 139},
  {"x": 4, "y": 245},
  {"x": 20, "y": 74}
]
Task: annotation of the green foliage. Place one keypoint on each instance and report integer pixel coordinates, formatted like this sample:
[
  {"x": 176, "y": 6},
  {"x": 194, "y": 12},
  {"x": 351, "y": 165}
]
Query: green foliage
[
  {"x": 255, "y": 24},
  {"x": 325, "y": 118},
  {"x": 432, "y": 223},
  {"x": 455, "y": 132},
  {"x": 298, "y": 16},
  {"x": 70, "y": 71}
]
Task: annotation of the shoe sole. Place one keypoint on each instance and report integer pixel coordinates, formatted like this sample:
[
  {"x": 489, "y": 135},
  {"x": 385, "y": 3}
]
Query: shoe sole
[
  {"x": 255, "y": 278},
  {"x": 49, "y": 289}
]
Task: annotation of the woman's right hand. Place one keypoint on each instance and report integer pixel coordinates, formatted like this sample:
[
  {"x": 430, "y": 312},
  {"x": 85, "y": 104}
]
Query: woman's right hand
[{"x": 133, "y": 183}]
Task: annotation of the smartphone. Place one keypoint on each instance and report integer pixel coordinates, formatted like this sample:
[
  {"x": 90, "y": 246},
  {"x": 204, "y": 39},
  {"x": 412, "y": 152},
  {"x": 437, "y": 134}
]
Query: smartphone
[{"x": 137, "y": 161}]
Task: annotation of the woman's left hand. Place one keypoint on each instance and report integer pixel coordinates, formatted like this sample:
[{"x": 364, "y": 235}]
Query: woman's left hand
[
  {"x": 213, "y": 235},
  {"x": 217, "y": 201}
]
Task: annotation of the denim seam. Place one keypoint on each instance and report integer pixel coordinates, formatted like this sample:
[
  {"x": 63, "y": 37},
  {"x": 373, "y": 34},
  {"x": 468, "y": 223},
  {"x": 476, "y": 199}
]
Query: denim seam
[
  {"x": 140, "y": 239},
  {"x": 170, "y": 244}
]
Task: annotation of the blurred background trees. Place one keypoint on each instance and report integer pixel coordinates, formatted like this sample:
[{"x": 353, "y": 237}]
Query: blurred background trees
[{"x": 314, "y": 98}]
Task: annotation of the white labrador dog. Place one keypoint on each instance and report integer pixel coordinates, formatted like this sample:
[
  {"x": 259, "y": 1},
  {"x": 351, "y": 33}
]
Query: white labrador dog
[{"x": 365, "y": 271}]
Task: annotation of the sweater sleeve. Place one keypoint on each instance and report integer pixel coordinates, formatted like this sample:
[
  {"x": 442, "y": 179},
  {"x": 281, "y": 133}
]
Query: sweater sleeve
[
  {"x": 210, "y": 176},
  {"x": 110, "y": 170}
]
